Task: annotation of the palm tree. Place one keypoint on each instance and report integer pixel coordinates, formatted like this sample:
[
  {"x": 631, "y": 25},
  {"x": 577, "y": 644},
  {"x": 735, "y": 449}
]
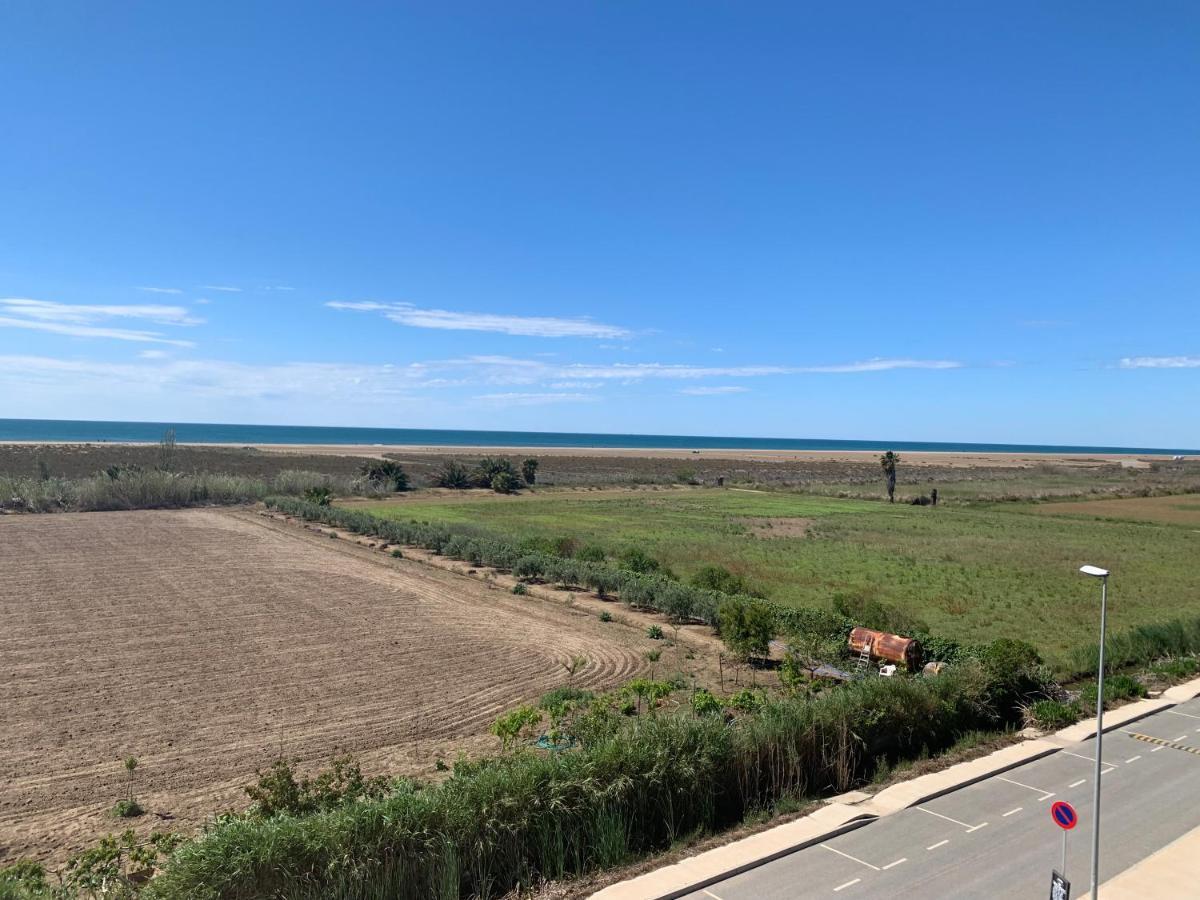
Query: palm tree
[{"x": 888, "y": 462}]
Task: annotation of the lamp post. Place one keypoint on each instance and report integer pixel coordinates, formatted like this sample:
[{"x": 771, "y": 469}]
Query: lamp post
[{"x": 1102, "y": 574}]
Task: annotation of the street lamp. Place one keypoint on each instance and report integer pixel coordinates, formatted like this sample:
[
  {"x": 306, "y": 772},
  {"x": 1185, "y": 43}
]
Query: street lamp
[{"x": 1102, "y": 574}]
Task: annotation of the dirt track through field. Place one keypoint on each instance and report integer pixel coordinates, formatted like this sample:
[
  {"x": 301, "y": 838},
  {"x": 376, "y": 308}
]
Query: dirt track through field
[{"x": 203, "y": 641}]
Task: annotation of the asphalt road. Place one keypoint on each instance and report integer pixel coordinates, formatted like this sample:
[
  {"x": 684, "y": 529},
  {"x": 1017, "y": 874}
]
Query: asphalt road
[{"x": 996, "y": 838}]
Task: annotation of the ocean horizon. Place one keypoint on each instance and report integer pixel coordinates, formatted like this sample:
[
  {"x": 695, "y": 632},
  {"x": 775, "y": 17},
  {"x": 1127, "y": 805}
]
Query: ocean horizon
[{"x": 82, "y": 431}]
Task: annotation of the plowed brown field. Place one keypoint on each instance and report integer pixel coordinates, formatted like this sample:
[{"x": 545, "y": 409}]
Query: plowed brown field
[{"x": 203, "y": 642}]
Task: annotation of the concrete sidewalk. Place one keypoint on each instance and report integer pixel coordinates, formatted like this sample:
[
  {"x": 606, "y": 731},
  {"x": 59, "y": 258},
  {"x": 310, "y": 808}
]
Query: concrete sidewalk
[
  {"x": 856, "y": 809},
  {"x": 1173, "y": 873}
]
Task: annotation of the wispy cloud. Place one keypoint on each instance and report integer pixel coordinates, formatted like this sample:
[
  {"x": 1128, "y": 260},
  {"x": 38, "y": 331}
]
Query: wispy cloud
[
  {"x": 230, "y": 289},
  {"x": 50, "y": 311},
  {"x": 84, "y": 320},
  {"x": 160, "y": 290},
  {"x": 536, "y": 399},
  {"x": 346, "y": 383},
  {"x": 1161, "y": 362},
  {"x": 506, "y": 369},
  {"x": 884, "y": 365},
  {"x": 528, "y": 326},
  {"x": 714, "y": 391},
  {"x": 154, "y": 354}
]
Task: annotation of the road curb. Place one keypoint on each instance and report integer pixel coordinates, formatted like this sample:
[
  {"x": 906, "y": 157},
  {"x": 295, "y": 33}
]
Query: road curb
[{"x": 698, "y": 872}]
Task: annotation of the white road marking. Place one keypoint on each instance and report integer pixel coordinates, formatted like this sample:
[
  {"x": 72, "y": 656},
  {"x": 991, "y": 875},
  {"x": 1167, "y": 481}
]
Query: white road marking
[
  {"x": 977, "y": 827},
  {"x": 1012, "y": 812},
  {"x": 1046, "y": 795},
  {"x": 840, "y": 886},
  {"x": 1133, "y": 759},
  {"x": 1156, "y": 749},
  {"x": 1077, "y": 783},
  {"x": 710, "y": 893},
  {"x": 1103, "y": 762},
  {"x": 940, "y": 816},
  {"x": 1185, "y": 715},
  {"x": 902, "y": 859},
  {"x": 1178, "y": 739},
  {"x": 849, "y": 857},
  {"x": 939, "y": 844}
]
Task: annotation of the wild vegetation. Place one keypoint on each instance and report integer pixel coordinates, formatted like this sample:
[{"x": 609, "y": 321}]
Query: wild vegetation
[
  {"x": 132, "y": 487},
  {"x": 966, "y": 572}
]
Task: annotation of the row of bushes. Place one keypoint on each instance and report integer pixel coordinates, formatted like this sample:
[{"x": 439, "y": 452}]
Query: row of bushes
[
  {"x": 646, "y": 589},
  {"x": 133, "y": 488},
  {"x": 521, "y": 818},
  {"x": 1138, "y": 646}
]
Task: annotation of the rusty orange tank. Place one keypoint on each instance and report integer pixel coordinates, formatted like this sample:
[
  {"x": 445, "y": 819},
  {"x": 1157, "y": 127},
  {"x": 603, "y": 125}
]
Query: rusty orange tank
[{"x": 891, "y": 647}]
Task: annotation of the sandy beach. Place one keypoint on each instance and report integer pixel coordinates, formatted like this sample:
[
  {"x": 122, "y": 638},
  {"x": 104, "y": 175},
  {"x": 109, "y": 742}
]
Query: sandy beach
[{"x": 913, "y": 458}]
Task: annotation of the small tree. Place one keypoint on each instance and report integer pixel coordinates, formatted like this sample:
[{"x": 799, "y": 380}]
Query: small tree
[
  {"x": 529, "y": 470},
  {"x": 129, "y": 807},
  {"x": 888, "y": 462},
  {"x": 510, "y": 726},
  {"x": 747, "y": 626}
]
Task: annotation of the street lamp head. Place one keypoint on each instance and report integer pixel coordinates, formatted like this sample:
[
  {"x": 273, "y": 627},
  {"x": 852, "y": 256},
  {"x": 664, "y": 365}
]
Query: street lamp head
[{"x": 1094, "y": 571}]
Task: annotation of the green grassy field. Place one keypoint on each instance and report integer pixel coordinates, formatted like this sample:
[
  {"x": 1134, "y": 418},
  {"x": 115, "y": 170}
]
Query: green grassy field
[{"x": 971, "y": 572}]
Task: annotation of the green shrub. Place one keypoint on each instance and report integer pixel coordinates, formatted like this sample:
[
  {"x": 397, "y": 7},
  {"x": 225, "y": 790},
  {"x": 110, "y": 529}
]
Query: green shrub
[
  {"x": 127, "y": 809},
  {"x": 591, "y": 553},
  {"x": 397, "y": 553},
  {"x": 452, "y": 474},
  {"x": 520, "y": 589},
  {"x": 512, "y": 725},
  {"x": 505, "y": 483},
  {"x": 321, "y": 496},
  {"x": 635, "y": 559},
  {"x": 705, "y": 704},
  {"x": 1051, "y": 715},
  {"x": 279, "y": 792},
  {"x": 24, "y": 878},
  {"x": 1116, "y": 687},
  {"x": 1139, "y": 646},
  {"x": 718, "y": 578},
  {"x": 655, "y": 633},
  {"x": 559, "y": 697},
  {"x": 1175, "y": 669},
  {"x": 606, "y": 616},
  {"x": 529, "y": 469}
]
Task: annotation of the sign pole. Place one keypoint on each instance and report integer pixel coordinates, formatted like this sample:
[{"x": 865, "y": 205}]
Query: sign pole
[{"x": 1064, "y": 859}]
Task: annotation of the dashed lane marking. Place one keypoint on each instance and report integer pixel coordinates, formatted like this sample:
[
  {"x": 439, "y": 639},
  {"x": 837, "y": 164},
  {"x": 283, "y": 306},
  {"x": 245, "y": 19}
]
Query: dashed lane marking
[
  {"x": 1012, "y": 812},
  {"x": 1174, "y": 744},
  {"x": 842, "y": 887},
  {"x": 710, "y": 893},
  {"x": 1185, "y": 715},
  {"x": 1077, "y": 783},
  {"x": 849, "y": 857},
  {"x": 1046, "y": 795},
  {"x": 1133, "y": 759},
  {"x": 939, "y": 844},
  {"x": 890, "y": 865}
]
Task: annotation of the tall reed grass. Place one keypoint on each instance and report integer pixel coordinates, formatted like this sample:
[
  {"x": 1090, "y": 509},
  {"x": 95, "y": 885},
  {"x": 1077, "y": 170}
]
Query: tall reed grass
[
  {"x": 525, "y": 817},
  {"x": 155, "y": 489}
]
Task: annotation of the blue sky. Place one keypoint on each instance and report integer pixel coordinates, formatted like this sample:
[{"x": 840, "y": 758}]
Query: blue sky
[{"x": 933, "y": 221}]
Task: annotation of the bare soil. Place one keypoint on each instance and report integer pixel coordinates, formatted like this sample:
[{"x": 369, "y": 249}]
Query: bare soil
[{"x": 205, "y": 642}]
